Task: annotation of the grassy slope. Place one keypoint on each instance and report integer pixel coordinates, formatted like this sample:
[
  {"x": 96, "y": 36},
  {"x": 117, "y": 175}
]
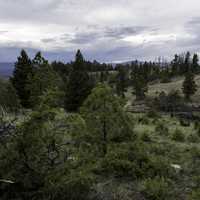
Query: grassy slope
[{"x": 175, "y": 84}]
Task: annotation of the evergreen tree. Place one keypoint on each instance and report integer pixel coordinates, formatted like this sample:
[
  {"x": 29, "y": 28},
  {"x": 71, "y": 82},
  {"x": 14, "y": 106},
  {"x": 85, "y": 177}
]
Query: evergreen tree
[
  {"x": 140, "y": 82},
  {"x": 9, "y": 100},
  {"x": 195, "y": 63},
  {"x": 39, "y": 60},
  {"x": 189, "y": 85},
  {"x": 23, "y": 68},
  {"x": 42, "y": 79},
  {"x": 175, "y": 65},
  {"x": 187, "y": 64},
  {"x": 105, "y": 118},
  {"x": 79, "y": 84},
  {"x": 37, "y": 158},
  {"x": 121, "y": 81}
]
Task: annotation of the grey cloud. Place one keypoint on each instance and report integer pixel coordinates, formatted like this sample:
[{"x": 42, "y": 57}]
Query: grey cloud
[
  {"x": 98, "y": 27},
  {"x": 84, "y": 38},
  {"x": 118, "y": 32},
  {"x": 123, "y": 31},
  {"x": 192, "y": 42},
  {"x": 3, "y": 32},
  {"x": 48, "y": 40}
]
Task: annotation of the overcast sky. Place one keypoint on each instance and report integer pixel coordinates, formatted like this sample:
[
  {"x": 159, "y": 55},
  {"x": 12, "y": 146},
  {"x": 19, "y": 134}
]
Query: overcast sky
[{"x": 106, "y": 30}]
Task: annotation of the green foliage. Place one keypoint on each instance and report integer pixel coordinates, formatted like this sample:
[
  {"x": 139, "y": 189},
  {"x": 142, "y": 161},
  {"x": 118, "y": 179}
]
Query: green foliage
[
  {"x": 79, "y": 85},
  {"x": 23, "y": 69},
  {"x": 117, "y": 163},
  {"x": 195, "y": 195},
  {"x": 40, "y": 156},
  {"x": 169, "y": 102},
  {"x": 122, "y": 78},
  {"x": 184, "y": 122},
  {"x": 140, "y": 87},
  {"x": 145, "y": 137},
  {"x": 165, "y": 76},
  {"x": 139, "y": 77},
  {"x": 105, "y": 118},
  {"x": 178, "y": 136},
  {"x": 43, "y": 78},
  {"x": 8, "y": 97},
  {"x": 156, "y": 189},
  {"x": 195, "y": 64},
  {"x": 162, "y": 129},
  {"x": 193, "y": 138},
  {"x": 189, "y": 85},
  {"x": 51, "y": 98},
  {"x": 125, "y": 160},
  {"x": 153, "y": 114},
  {"x": 144, "y": 120}
]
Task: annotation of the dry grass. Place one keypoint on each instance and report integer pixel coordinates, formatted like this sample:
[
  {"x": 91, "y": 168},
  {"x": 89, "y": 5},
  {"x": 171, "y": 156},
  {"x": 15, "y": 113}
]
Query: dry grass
[{"x": 175, "y": 84}]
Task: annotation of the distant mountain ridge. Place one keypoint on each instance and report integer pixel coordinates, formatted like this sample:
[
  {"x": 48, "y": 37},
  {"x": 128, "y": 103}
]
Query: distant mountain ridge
[{"x": 6, "y": 69}]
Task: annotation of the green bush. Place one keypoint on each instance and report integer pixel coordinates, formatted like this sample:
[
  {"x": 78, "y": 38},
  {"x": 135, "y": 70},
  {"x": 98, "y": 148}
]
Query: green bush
[
  {"x": 117, "y": 163},
  {"x": 145, "y": 137},
  {"x": 196, "y": 125},
  {"x": 184, "y": 123},
  {"x": 156, "y": 189},
  {"x": 195, "y": 195},
  {"x": 158, "y": 166},
  {"x": 144, "y": 120},
  {"x": 178, "y": 136},
  {"x": 193, "y": 138},
  {"x": 152, "y": 114},
  {"x": 8, "y": 97},
  {"x": 126, "y": 160},
  {"x": 197, "y": 128},
  {"x": 162, "y": 129}
]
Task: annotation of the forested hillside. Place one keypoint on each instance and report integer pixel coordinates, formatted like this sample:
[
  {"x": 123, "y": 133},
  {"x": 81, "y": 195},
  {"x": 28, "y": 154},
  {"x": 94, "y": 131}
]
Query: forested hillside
[{"x": 90, "y": 131}]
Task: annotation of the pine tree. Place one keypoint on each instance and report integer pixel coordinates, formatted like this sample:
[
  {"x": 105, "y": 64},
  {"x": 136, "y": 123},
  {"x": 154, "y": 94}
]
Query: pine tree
[
  {"x": 37, "y": 159},
  {"x": 23, "y": 68},
  {"x": 121, "y": 81},
  {"x": 79, "y": 84},
  {"x": 175, "y": 65},
  {"x": 189, "y": 85},
  {"x": 187, "y": 64},
  {"x": 140, "y": 82},
  {"x": 195, "y": 63},
  {"x": 105, "y": 118},
  {"x": 42, "y": 79}
]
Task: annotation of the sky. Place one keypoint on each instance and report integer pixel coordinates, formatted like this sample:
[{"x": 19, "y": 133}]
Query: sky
[{"x": 105, "y": 30}]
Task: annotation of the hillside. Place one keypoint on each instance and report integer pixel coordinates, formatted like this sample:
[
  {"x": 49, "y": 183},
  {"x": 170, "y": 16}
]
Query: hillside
[{"x": 176, "y": 84}]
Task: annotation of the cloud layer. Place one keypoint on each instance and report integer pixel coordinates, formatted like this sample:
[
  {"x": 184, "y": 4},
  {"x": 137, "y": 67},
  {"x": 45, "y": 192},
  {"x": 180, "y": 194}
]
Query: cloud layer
[{"x": 104, "y": 30}]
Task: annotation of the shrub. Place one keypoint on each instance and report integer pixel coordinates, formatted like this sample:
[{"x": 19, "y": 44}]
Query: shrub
[
  {"x": 159, "y": 166},
  {"x": 169, "y": 102},
  {"x": 76, "y": 186},
  {"x": 125, "y": 160},
  {"x": 156, "y": 189},
  {"x": 193, "y": 138},
  {"x": 162, "y": 129},
  {"x": 196, "y": 125},
  {"x": 152, "y": 114},
  {"x": 8, "y": 97},
  {"x": 144, "y": 120},
  {"x": 195, "y": 195},
  {"x": 178, "y": 136},
  {"x": 117, "y": 163},
  {"x": 145, "y": 137},
  {"x": 198, "y": 132},
  {"x": 184, "y": 123}
]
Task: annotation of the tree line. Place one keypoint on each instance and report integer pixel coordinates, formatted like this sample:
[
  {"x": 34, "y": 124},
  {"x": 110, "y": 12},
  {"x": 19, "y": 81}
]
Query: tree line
[{"x": 75, "y": 131}]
